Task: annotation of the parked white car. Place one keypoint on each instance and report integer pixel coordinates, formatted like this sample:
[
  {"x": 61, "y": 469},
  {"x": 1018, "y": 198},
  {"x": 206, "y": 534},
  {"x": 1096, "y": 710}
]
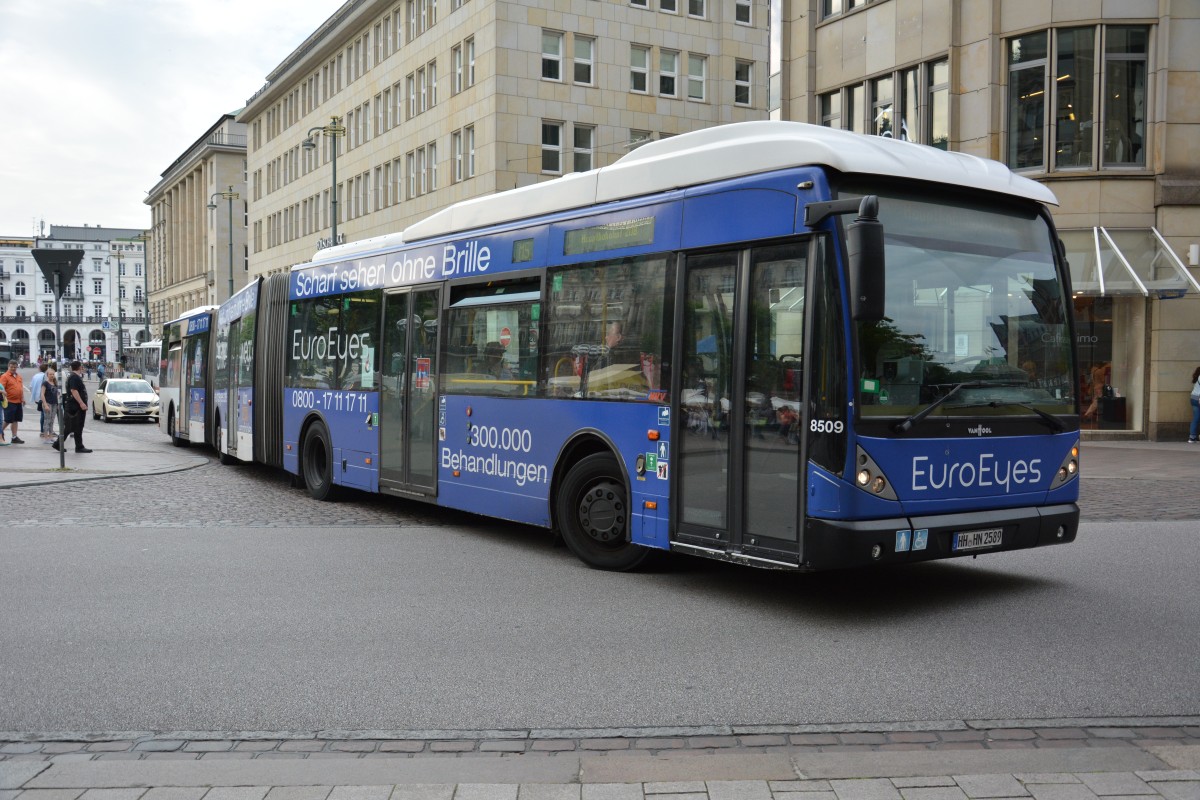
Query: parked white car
[{"x": 125, "y": 398}]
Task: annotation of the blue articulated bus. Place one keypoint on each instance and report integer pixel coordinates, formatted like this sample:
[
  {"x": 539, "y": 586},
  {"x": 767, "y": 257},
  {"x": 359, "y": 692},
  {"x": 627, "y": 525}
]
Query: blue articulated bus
[
  {"x": 185, "y": 377},
  {"x": 770, "y": 343}
]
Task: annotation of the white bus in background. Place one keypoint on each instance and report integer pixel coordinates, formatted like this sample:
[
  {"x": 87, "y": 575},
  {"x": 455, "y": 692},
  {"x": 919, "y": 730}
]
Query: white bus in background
[{"x": 142, "y": 361}]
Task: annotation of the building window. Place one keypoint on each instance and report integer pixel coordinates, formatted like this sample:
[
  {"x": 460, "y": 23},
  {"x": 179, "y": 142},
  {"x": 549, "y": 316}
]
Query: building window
[
  {"x": 637, "y": 138},
  {"x": 551, "y": 56},
  {"x": 431, "y": 150},
  {"x": 97, "y": 309},
  {"x": 640, "y": 3},
  {"x": 939, "y": 105},
  {"x": 1125, "y": 66},
  {"x": 831, "y": 110},
  {"x": 469, "y": 145},
  {"x": 743, "y": 74},
  {"x": 121, "y": 291},
  {"x": 668, "y": 73},
  {"x": 411, "y": 163},
  {"x": 19, "y": 289},
  {"x": 1053, "y": 120},
  {"x": 741, "y": 12},
  {"x": 882, "y": 107},
  {"x": 422, "y": 90},
  {"x": 552, "y": 147},
  {"x": 411, "y": 82},
  {"x": 831, "y": 8},
  {"x": 456, "y": 152},
  {"x": 470, "y": 44},
  {"x": 456, "y": 64},
  {"x": 697, "y": 66},
  {"x": 1075, "y": 63},
  {"x": 584, "y": 141},
  {"x": 431, "y": 70},
  {"x": 584, "y": 50},
  {"x": 47, "y": 309},
  {"x": 639, "y": 61},
  {"x": 96, "y": 265},
  {"x": 668, "y": 6},
  {"x": 696, "y": 8}
]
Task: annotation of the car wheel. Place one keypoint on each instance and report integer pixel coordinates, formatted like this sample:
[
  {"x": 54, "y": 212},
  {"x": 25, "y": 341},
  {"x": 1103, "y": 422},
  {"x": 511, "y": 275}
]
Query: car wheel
[
  {"x": 95, "y": 413},
  {"x": 107, "y": 415}
]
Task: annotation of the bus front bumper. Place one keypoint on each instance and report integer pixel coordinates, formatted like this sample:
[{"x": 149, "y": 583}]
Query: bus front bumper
[{"x": 834, "y": 544}]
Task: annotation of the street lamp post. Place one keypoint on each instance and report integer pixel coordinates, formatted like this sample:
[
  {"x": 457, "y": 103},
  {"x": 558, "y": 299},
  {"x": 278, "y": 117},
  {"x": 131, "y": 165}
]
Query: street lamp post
[
  {"x": 144, "y": 238},
  {"x": 120, "y": 313},
  {"x": 334, "y": 130},
  {"x": 230, "y": 195}
]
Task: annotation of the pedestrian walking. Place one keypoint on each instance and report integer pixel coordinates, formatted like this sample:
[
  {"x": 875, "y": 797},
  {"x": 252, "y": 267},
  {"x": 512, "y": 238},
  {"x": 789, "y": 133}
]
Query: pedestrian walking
[
  {"x": 14, "y": 392},
  {"x": 100, "y": 371},
  {"x": 35, "y": 391},
  {"x": 75, "y": 406},
  {"x": 1194, "y": 430},
  {"x": 49, "y": 396}
]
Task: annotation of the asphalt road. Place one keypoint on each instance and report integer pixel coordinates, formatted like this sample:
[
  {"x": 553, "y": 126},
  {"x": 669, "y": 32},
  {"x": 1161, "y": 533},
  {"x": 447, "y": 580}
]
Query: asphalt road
[{"x": 253, "y": 608}]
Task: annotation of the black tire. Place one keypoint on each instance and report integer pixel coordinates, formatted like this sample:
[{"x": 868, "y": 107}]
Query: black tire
[
  {"x": 593, "y": 515},
  {"x": 316, "y": 463},
  {"x": 95, "y": 413},
  {"x": 224, "y": 458},
  {"x": 107, "y": 417},
  {"x": 175, "y": 440}
]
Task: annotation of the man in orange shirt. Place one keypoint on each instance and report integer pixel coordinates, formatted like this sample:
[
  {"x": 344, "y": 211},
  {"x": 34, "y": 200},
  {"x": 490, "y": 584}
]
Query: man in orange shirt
[{"x": 14, "y": 390}]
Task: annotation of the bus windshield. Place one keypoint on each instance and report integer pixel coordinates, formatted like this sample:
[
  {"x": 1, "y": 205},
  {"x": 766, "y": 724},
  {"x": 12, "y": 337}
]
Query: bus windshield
[{"x": 975, "y": 321}]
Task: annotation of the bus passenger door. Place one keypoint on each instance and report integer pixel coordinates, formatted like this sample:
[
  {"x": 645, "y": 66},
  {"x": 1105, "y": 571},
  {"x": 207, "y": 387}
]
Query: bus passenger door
[
  {"x": 738, "y": 473},
  {"x": 408, "y": 392},
  {"x": 229, "y": 414}
]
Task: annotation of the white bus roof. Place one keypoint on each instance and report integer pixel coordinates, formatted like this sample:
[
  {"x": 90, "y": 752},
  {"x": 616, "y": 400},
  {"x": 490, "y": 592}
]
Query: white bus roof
[
  {"x": 197, "y": 311},
  {"x": 718, "y": 153}
]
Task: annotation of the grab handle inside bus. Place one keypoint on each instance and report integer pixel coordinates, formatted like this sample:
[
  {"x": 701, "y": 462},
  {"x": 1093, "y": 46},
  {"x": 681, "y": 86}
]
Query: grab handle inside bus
[{"x": 864, "y": 251}]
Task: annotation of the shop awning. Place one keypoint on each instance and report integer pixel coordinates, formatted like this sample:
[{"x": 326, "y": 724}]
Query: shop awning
[{"x": 1107, "y": 262}]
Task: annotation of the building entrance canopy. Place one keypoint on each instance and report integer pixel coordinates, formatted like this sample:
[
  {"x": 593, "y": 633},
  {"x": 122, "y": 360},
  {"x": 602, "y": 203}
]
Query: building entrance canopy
[{"x": 1138, "y": 261}]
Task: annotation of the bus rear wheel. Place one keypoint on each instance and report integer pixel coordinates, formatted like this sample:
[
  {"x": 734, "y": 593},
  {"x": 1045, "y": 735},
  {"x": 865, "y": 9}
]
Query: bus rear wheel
[
  {"x": 175, "y": 440},
  {"x": 593, "y": 515},
  {"x": 223, "y": 456},
  {"x": 316, "y": 463}
]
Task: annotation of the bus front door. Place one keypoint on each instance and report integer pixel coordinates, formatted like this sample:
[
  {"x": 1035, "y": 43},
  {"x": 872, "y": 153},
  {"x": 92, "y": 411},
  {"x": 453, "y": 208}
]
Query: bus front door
[
  {"x": 408, "y": 393},
  {"x": 738, "y": 476}
]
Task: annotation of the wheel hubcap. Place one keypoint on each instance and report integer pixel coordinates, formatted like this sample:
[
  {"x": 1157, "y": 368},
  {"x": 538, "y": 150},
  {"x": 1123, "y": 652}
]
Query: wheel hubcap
[{"x": 602, "y": 514}]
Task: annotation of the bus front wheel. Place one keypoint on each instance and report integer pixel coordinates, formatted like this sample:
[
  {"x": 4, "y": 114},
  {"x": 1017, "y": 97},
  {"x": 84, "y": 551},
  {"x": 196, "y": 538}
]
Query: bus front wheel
[
  {"x": 316, "y": 463},
  {"x": 593, "y": 515}
]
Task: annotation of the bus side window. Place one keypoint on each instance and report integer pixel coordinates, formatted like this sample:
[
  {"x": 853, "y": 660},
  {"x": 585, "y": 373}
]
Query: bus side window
[{"x": 606, "y": 330}]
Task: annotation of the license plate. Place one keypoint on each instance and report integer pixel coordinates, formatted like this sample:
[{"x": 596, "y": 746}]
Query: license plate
[{"x": 976, "y": 540}]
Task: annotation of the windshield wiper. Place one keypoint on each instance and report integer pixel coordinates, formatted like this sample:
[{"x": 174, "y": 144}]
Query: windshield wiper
[
  {"x": 1057, "y": 424},
  {"x": 904, "y": 425}
]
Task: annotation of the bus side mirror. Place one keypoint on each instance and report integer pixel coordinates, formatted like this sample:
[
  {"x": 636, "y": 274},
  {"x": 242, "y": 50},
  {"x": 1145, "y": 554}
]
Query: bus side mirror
[{"x": 864, "y": 249}]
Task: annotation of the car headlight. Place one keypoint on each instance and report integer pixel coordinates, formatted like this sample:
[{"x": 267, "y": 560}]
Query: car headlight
[
  {"x": 115, "y": 403},
  {"x": 154, "y": 403}
]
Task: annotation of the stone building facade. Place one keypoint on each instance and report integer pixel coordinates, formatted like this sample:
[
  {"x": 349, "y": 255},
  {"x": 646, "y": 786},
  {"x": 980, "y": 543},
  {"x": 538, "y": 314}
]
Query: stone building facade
[
  {"x": 189, "y": 243},
  {"x": 440, "y": 102},
  {"x": 1098, "y": 99}
]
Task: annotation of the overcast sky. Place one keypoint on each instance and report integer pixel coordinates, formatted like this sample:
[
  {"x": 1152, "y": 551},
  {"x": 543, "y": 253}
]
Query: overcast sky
[{"x": 99, "y": 97}]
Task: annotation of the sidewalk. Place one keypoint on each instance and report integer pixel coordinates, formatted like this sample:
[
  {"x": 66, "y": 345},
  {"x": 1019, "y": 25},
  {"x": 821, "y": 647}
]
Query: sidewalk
[
  {"x": 114, "y": 456},
  {"x": 1091, "y": 759},
  {"x": 35, "y": 463}
]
